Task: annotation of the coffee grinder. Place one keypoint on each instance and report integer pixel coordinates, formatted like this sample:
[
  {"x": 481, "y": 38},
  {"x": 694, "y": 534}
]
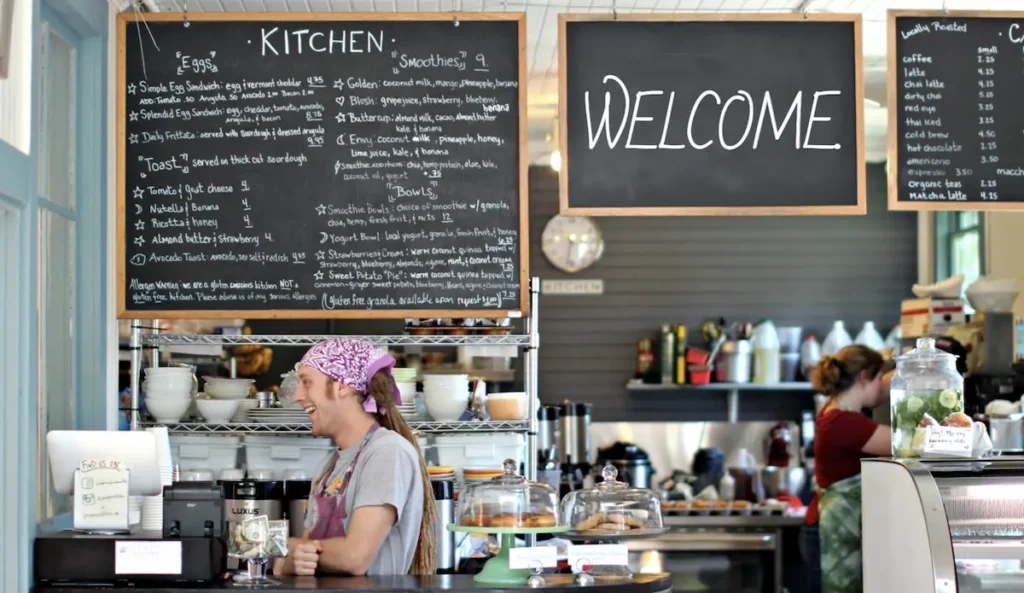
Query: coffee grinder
[{"x": 574, "y": 444}]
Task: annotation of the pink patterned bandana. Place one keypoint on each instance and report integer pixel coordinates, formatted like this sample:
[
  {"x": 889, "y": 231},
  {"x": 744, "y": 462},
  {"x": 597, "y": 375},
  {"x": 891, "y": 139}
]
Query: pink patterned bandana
[{"x": 353, "y": 363}]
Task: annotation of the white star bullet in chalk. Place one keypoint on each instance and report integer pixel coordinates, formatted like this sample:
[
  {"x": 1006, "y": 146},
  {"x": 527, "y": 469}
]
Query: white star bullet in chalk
[
  {"x": 131, "y": 89},
  {"x": 133, "y": 138},
  {"x": 139, "y": 241},
  {"x": 133, "y": 116},
  {"x": 137, "y": 193},
  {"x": 339, "y": 117},
  {"x": 321, "y": 210},
  {"x": 318, "y": 275},
  {"x": 339, "y": 84},
  {"x": 319, "y": 254},
  {"x": 140, "y": 225}
]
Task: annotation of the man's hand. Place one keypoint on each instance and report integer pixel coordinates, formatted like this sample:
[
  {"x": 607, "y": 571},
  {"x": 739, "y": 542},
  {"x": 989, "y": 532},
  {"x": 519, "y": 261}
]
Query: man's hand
[{"x": 305, "y": 555}]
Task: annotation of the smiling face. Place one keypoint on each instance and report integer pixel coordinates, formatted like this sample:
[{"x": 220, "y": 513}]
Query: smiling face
[{"x": 324, "y": 400}]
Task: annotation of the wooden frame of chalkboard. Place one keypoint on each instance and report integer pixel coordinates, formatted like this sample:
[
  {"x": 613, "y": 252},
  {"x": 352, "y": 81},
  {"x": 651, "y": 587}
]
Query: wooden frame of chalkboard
[
  {"x": 565, "y": 208},
  {"x": 892, "y": 98},
  {"x": 523, "y": 307}
]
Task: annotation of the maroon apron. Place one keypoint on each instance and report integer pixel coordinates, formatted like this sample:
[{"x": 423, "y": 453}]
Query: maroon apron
[{"x": 331, "y": 507}]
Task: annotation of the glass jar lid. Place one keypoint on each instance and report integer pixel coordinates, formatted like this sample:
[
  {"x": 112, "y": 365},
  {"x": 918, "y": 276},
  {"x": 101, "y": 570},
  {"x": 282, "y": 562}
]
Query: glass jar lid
[
  {"x": 927, "y": 352},
  {"x": 508, "y": 501},
  {"x": 612, "y": 506}
]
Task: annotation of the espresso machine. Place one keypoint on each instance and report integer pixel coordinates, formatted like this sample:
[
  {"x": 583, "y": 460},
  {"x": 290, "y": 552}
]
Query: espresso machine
[{"x": 574, "y": 444}]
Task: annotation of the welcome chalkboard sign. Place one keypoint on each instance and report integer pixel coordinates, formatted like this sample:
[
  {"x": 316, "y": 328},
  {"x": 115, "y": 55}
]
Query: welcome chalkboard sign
[
  {"x": 322, "y": 165},
  {"x": 956, "y": 82},
  {"x": 698, "y": 114}
]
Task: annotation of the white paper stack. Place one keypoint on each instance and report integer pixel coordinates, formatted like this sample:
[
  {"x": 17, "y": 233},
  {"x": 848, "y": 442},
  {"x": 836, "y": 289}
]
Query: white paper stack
[{"x": 153, "y": 506}]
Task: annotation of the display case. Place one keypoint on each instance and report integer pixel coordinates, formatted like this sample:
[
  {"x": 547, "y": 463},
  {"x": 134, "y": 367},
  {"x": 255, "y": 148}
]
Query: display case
[
  {"x": 612, "y": 509},
  {"x": 943, "y": 526},
  {"x": 509, "y": 501}
]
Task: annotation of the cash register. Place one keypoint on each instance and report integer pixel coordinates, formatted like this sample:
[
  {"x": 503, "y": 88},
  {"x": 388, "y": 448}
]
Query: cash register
[{"x": 101, "y": 470}]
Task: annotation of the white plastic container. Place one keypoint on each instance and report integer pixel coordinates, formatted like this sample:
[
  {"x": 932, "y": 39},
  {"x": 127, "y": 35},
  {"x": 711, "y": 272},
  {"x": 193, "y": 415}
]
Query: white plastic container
[
  {"x": 281, "y": 453},
  {"x": 767, "y": 353},
  {"x": 870, "y": 337},
  {"x": 836, "y": 340},
  {"x": 211, "y": 452},
  {"x": 810, "y": 355},
  {"x": 475, "y": 450}
]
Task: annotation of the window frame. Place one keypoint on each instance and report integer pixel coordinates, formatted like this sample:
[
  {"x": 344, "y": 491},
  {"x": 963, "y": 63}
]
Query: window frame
[{"x": 948, "y": 227}]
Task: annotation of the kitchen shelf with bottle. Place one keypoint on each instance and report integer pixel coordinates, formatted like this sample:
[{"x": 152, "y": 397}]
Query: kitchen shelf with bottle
[
  {"x": 429, "y": 427},
  {"x": 309, "y": 340},
  {"x": 732, "y": 391}
]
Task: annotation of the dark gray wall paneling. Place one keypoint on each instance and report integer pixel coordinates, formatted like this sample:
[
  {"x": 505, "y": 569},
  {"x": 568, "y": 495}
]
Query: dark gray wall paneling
[{"x": 804, "y": 271}]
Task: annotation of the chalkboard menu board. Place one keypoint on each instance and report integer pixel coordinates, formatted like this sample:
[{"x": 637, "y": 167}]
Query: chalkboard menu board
[
  {"x": 710, "y": 114},
  {"x": 956, "y": 125},
  {"x": 326, "y": 165}
]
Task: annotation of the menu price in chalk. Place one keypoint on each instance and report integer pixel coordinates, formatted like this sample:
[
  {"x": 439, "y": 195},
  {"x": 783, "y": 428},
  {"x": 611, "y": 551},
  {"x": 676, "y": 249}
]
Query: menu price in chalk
[
  {"x": 322, "y": 166},
  {"x": 959, "y": 126}
]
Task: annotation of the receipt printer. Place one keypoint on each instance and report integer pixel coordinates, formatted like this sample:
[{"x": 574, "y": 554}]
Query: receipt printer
[{"x": 193, "y": 509}]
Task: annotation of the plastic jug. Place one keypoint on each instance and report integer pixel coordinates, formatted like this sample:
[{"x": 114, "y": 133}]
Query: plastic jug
[
  {"x": 836, "y": 340},
  {"x": 810, "y": 355},
  {"x": 870, "y": 337},
  {"x": 767, "y": 353}
]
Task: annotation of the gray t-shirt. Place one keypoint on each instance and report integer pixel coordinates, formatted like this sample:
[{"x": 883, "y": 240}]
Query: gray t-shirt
[{"x": 387, "y": 473}]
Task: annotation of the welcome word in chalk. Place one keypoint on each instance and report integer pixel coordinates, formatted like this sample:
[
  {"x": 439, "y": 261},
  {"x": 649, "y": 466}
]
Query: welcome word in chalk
[{"x": 703, "y": 105}]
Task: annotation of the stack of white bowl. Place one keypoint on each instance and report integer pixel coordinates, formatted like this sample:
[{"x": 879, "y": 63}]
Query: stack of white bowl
[
  {"x": 225, "y": 400},
  {"x": 405, "y": 379},
  {"x": 168, "y": 392},
  {"x": 153, "y": 506},
  {"x": 446, "y": 396}
]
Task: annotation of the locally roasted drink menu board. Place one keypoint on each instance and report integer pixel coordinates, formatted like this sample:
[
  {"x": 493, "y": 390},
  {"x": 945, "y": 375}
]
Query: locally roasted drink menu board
[
  {"x": 956, "y": 126},
  {"x": 327, "y": 165}
]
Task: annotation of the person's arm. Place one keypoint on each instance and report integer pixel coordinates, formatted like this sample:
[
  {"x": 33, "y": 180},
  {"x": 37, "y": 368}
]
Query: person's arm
[
  {"x": 880, "y": 442},
  {"x": 355, "y": 553}
]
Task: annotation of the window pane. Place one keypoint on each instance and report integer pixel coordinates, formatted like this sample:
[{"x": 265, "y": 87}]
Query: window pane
[
  {"x": 966, "y": 256},
  {"x": 968, "y": 220},
  {"x": 56, "y": 346},
  {"x": 57, "y": 181}
]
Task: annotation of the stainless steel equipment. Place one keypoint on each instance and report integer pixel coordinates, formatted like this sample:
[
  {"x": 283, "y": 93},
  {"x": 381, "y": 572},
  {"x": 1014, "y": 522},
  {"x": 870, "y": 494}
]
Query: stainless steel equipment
[
  {"x": 574, "y": 433},
  {"x": 444, "y": 498},
  {"x": 1007, "y": 433},
  {"x": 734, "y": 361},
  {"x": 547, "y": 435},
  {"x": 943, "y": 526},
  {"x": 296, "y": 497},
  {"x": 631, "y": 462},
  {"x": 250, "y": 498},
  {"x": 716, "y": 553},
  {"x": 783, "y": 481}
]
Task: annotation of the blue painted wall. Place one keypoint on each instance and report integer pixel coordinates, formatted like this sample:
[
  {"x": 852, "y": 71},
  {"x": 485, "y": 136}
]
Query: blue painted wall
[{"x": 86, "y": 21}]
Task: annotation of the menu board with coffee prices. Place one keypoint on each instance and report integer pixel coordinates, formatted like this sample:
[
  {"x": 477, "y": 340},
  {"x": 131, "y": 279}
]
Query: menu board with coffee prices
[
  {"x": 710, "y": 114},
  {"x": 956, "y": 126},
  {"x": 314, "y": 165}
]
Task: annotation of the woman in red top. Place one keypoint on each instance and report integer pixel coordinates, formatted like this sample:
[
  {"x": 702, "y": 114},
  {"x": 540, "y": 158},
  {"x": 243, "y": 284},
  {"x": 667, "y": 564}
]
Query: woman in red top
[{"x": 830, "y": 539}]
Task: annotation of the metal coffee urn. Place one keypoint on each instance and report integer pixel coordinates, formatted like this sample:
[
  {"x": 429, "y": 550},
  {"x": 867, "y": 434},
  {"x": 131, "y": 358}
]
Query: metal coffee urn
[
  {"x": 547, "y": 435},
  {"x": 574, "y": 433},
  {"x": 444, "y": 498},
  {"x": 296, "y": 497}
]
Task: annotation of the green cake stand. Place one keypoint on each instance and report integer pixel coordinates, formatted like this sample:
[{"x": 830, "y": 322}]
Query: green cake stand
[{"x": 497, "y": 570}]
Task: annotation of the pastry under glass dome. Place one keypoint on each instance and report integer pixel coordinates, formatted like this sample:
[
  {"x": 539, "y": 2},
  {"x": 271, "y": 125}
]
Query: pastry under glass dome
[
  {"x": 612, "y": 509},
  {"x": 508, "y": 502}
]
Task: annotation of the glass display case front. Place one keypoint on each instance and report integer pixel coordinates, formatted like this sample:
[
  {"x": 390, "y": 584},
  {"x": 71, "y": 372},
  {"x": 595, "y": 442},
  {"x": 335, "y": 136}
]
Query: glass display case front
[{"x": 943, "y": 526}]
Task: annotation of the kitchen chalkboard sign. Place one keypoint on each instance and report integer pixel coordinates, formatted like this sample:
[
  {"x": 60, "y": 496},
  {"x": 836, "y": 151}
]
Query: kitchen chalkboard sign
[
  {"x": 711, "y": 114},
  {"x": 956, "y": 127},
  {"x": 322, "y": 165}
]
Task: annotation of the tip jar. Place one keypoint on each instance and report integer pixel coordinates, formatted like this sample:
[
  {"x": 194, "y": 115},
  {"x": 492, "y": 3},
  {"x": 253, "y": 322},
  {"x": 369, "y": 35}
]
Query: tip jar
[{"x": 926, "y": 390}]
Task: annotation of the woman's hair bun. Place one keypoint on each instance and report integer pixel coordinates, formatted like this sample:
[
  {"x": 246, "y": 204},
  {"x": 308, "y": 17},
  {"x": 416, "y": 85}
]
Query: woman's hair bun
[
  {"x": 827, "y": 375},
  {"x": 836, "y": 373}
]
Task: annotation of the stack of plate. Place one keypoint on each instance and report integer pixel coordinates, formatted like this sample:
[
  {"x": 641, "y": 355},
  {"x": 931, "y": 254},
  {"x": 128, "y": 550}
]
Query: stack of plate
[
  {"x": 477, "y": 475},
  {"x": 277, "y": 416},
  {"x": 438, "y": 473}
]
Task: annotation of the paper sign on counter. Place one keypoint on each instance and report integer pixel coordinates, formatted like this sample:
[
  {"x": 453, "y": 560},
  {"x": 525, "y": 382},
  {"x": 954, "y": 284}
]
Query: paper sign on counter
[
  {"x": 147, "y": 557},
  {"x": 535, "y": 557},
  {"x": 101, "y": 495},
  {"x": 948, "y": 440},
  {"x": 599, "y": 555}
]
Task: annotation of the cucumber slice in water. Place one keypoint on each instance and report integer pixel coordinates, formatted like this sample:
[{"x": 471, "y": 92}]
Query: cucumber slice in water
[
  {"x": 914, "y": 404},
  {"x": 949, "y": 398}
]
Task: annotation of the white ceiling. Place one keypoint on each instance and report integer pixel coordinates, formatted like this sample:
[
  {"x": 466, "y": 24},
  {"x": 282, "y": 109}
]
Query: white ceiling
[{"x": 542, "y": 30}]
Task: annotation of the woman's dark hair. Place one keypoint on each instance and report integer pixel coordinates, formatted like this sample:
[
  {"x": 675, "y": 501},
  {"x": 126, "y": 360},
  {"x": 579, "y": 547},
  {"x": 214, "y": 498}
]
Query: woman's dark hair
[{"x": 837, "y": 373}]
